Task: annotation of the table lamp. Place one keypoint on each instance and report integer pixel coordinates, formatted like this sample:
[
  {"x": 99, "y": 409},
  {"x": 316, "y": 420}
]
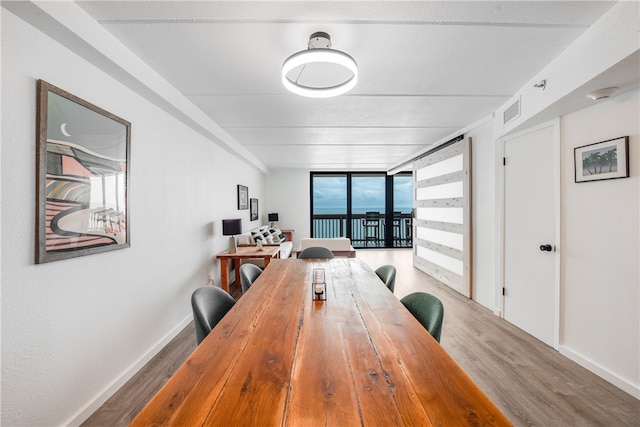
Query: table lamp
[
  {"x": 231, "y": 227},
  {"x": 273, "y": 217}
]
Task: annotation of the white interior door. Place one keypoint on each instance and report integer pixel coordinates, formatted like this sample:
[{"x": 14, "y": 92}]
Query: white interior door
[{"x": 530, "y": 215}]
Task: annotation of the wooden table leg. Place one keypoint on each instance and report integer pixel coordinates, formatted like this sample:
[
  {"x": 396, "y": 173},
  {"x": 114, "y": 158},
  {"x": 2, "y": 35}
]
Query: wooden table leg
[
  {"x": 236, "y": 265},
  {"x": 224, "y": 274}
]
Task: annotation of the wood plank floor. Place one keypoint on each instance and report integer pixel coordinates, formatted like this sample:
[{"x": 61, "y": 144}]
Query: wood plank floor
[{"x": 530, "y": 382}]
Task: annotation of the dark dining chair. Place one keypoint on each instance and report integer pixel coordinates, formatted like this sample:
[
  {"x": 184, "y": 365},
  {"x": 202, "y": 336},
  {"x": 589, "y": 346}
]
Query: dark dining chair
[
  {"x": 427, "y": 309},
  {"x": 387, "y": 273},
  {"x": 248, "y": 274},
  {"x": 315, "y": 252},
  {"x": 209, "y": 304}
]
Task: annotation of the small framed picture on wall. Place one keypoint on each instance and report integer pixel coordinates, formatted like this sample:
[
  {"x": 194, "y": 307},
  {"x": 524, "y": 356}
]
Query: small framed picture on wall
[
  {"x": 254, "y": 209},
  {"x": 243, "y": 197},
  {"x": 602, "y": 160}
]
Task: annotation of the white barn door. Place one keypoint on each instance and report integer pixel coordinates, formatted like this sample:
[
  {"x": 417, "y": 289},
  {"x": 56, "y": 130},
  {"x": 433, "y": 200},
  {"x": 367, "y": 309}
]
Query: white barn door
[{"x": 442, "y": 216}]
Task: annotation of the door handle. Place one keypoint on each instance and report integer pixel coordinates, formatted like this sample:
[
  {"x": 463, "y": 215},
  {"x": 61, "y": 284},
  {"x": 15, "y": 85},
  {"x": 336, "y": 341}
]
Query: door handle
[{"x": 546, "y": 248}]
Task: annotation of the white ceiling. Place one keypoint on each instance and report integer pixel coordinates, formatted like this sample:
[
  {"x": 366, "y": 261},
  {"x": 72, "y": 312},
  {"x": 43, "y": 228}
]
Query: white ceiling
[{"x": 427, "y": 69}]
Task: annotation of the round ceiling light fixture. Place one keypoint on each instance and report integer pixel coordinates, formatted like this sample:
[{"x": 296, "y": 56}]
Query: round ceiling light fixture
[
  {"x": 327, "y": 72},
  {"x": 602, "y": 93}
]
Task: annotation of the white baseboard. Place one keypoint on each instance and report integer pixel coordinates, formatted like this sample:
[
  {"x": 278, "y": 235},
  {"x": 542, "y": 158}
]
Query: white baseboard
[
  {"x": 103, "y": 396},
  {"x": 621, "y": 383}
]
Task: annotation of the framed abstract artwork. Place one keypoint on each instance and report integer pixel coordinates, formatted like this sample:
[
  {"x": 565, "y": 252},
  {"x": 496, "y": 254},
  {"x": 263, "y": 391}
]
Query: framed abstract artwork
[
  {"x": 602, "y": 160},
  {"x": 254, "y": 209},
  {"x": 243, "y": 197},
  {"x": 82, "y": 174}
]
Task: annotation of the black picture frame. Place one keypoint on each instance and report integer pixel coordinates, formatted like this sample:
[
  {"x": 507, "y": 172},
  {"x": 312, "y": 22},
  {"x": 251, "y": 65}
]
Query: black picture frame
[
  {"x": 602, "y": 160},
  {"x": 83, "y": 162},
  {"x": 243, "y": 197},
  {"x": 254, "y": 209}
]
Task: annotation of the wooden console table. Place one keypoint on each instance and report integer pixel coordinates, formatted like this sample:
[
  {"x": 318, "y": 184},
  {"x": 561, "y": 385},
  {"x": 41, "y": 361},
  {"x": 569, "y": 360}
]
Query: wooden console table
[
  {"x": 288, "y": 233},
  {"x": 243, "y": 252}
]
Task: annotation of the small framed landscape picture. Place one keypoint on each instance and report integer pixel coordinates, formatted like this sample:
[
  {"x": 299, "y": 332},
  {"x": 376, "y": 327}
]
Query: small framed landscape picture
[
  {"x": 243, "y": 197},
  {"x": 602, "y": 160},
  {"x": 254, "y": 209}
]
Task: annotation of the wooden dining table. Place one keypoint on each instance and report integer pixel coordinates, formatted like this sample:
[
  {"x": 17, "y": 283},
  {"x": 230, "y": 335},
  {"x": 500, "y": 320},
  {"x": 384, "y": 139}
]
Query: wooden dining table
[{"x": 359, "y": 358}]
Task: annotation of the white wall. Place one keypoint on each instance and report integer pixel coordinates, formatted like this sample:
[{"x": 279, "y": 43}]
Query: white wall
[
  {"x": 483, "y": 208},
  {"x": 289, "y": 196},
  {"x": 74, "y": 330},
  {"x": 600, "y": 299}
]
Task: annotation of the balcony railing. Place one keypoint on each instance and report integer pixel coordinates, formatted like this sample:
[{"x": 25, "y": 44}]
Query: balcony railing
[{"x": 370, "y": 235}]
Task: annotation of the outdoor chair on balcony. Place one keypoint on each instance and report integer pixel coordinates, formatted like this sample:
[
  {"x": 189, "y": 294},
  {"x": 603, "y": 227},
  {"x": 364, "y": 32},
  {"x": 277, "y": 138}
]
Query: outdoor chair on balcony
[
  {"x": 371, "y": 224},
  {"x": 397, "y": 226}
]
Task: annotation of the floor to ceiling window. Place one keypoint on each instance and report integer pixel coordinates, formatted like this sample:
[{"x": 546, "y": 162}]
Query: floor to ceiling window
[
  {"x": 402, "y": 210},
  {"x": 328, "y": 205},
  {"x": 373, "y": 209}
]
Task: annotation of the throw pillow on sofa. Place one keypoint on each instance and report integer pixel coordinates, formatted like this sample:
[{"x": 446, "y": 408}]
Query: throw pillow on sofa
[
  {"x": 262, "y": 234},
  {"x": 277, "y": 235}
]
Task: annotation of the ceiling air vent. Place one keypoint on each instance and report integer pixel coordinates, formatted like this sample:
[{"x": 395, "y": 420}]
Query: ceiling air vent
[{"x": 512, "y": 112}]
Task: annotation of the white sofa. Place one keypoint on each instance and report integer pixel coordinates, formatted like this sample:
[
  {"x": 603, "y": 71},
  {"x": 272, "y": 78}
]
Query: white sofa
[
  {"x": 270, "y": 236},
  {"x": 340, "y": 246}
]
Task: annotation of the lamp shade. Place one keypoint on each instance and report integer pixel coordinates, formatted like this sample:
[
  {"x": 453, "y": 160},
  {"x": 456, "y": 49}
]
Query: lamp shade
[
  {"x": 273, "y": 217},
  {"x": 231, "y": 227}
]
